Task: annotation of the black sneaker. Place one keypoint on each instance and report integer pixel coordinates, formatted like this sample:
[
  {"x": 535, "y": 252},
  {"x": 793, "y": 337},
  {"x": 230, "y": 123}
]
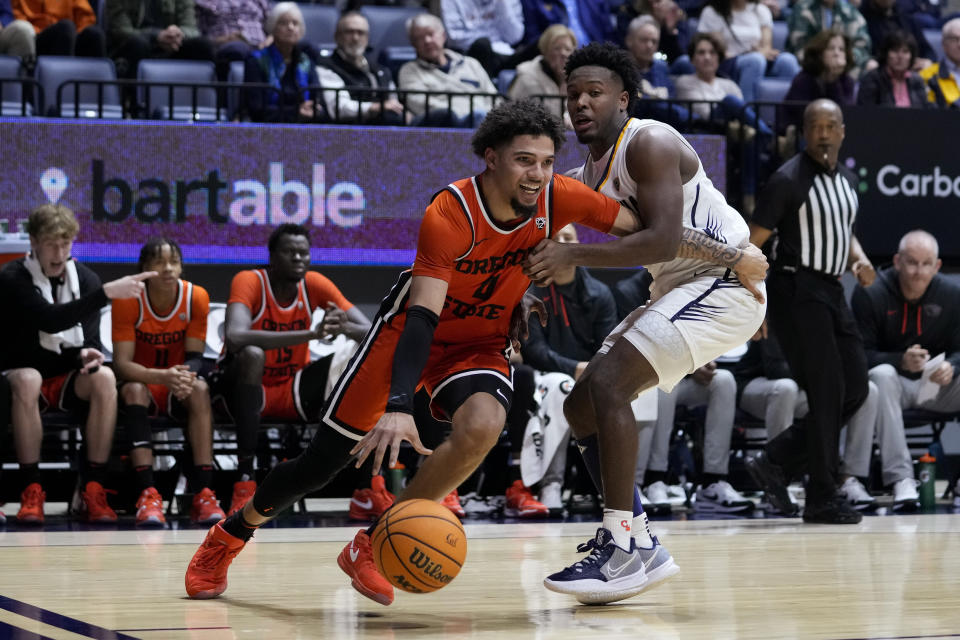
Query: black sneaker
[
  {"x": 835, "y": 510},
  {"x": 770, "y": 478}
]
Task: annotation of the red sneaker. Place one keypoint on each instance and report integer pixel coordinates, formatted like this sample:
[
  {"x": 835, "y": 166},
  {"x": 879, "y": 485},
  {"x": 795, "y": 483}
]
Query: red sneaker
[
  {"x": 356, "y": 560},
  {"x": 242, "y": 492},
  {"x": 452, "y": 502},
  {"x": 205, "y": 509},
  {"x": 522, "y": 504},
  {"x": 31, "y": 504},
  {"x": 369, "y": 504},
  {"x": 150, "y": 509},
  {"x": 93, "y": 504},
  {"x": 206, "y": 575}
]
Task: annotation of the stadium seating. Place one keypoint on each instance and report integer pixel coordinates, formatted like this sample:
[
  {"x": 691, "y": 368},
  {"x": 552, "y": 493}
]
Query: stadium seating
[
  {"x": 11, "y": 93},
  {"x": 388, "y": 25},
  {"x": 771, "y": 90},
  {"x": 935, "y": 38},
  {"x": 320, "y": 22},
  {"x": 81, "y": 97},
  {"x": 234, "y": 95},
  {"x": 157, "y": 100},
  {"x": 503, "y": 80},
  {"x": 395, "y": 57},
  {"x": 780, "y": 32}
]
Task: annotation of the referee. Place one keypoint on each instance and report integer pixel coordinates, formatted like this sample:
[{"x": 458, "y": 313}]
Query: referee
[{"x": 811, "y": 202}]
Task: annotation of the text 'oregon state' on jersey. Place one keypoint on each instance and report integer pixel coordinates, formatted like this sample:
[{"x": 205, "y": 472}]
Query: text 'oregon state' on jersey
[
  {"x": 481, "y": 259},
  {"x": 252, "y": 289},
  {"x": 160, "y": 339}
]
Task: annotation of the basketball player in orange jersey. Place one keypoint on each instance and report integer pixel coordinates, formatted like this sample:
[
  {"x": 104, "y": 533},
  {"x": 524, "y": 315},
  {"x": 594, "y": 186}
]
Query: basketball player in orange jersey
[
  {"x": 266, "y": 369},
  {"x": 158, "y": 342},
  {"x": 448, "y": 325}
]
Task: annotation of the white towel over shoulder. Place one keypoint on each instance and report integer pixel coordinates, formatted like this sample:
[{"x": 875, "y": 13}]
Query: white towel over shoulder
[{"x": 70, "y": 291}]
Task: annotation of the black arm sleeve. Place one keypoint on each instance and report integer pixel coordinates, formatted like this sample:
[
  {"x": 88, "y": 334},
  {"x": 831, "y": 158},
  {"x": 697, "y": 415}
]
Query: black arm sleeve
[{"x": 410, "y": 357}]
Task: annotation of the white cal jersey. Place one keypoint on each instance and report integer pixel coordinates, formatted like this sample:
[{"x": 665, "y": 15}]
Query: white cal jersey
[{"x": 704, "y": 207}]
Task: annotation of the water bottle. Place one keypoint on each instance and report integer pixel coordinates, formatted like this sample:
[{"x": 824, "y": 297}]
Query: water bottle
[
  {"x": 928, "y": 477},
  {"x": 396, "y": 478}
]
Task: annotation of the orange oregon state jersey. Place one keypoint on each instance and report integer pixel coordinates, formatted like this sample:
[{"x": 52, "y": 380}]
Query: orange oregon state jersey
[
  {"x": 160, "y": 339},
  {"x": 482, "y": 259},
  {"x": 252, "y": 289}
]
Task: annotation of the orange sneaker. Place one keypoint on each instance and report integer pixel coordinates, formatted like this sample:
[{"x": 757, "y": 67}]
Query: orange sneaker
[
  {"x": 242, "y": 492},
  {"x": 205, "y": 509},
  {"x": 31, "y": 504},
  {"x": 150, "y": 509},
  {"x": 93, "y": 504},
  {"x": 522, "y": 504},
  {"x": 356, "y": 560},
  {"x": 452, "y": 502},
  {"x": 369, "y": 504},
  {"x": 206, "y": 575}
]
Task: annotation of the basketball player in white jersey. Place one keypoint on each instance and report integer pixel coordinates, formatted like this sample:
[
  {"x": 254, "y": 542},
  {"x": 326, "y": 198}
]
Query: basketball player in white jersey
[{"x": 697, "y": 310}]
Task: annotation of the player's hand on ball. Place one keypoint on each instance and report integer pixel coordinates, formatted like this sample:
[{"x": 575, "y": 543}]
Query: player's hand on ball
[
  {"x": 391, "y": 430},
  {"x": 545, "y": 261}
]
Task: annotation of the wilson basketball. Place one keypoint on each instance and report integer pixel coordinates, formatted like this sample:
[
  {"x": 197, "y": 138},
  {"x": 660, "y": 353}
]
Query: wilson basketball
[{"x": 419, "y": 546}]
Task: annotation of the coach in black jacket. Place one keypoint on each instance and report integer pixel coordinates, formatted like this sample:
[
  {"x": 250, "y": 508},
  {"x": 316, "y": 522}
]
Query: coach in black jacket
[{"x": 911, "y": 314}]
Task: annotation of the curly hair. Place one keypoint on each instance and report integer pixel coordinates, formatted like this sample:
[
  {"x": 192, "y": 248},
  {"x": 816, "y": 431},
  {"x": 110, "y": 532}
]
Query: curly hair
[
  {"x": 813, "y": 52},
  {"x": 508, "y": 120},
  {"x": 153, "y": 249},
  {"x": 609, "y": 56}
]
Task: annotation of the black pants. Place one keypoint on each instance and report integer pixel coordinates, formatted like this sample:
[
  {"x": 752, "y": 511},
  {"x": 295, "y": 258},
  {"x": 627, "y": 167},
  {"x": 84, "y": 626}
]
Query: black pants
[
  {"x": 822, "y": 344},
  {"x": 128, "y": 52},
  {"x": 62, "y": 39}
]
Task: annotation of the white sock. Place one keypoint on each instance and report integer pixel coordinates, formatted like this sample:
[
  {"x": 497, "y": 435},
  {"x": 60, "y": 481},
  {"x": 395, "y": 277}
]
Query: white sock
[
  {"x": 641, "y": 531},
  {"x": 619, "y": 524}
]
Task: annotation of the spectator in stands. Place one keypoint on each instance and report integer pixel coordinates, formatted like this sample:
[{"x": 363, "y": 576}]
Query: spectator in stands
[
  {"x": 768, "y": 392},
  {"x": 288, "y": 67},
  {"x": 590, "y": 20},
  {"x": 158, "y": 343},
  {"x": 942, "y": 76},
  {"x": 883, "y": 18},
  {"x": 722, "y": 102},
  {"x": 643, "y": 40},
  {"x": 17, "y": 37},
  {"x": 581, "y": 312},
  {"x": 348, "y": 66},
  {"x": 486, "y": 30},
  {"x": 746, "y": 29},
  {"x": 266, "y": 369},
  {"x": 51, "y": 324},
  {"x": 235, "y": 27},
  {"x": 893, "y": 83},
  {"x": 544, "y": 75},
  {"x": 674, "y": 27},
  {"x": 139, "y": 29},
  {"x": 811, "y": 17},
  {"x": 438, "y": 69},
  {"x": 827, "y": 67},
  {"x": 908, "y": 319},
  {"x": 63, "y": 28}
]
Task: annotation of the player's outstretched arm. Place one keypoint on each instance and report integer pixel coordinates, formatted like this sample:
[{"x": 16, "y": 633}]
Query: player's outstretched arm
[{"x": 427, "y": 296}]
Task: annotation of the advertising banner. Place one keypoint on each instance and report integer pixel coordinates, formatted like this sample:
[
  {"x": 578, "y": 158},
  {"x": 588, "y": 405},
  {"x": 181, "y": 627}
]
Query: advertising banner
[
  {"x": 909, "y": 175},
  {"x": 220, "y": 189}
]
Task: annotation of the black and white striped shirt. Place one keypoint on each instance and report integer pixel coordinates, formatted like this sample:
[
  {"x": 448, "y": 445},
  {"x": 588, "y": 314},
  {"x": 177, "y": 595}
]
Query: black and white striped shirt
[{"x": 813, "y": 211}]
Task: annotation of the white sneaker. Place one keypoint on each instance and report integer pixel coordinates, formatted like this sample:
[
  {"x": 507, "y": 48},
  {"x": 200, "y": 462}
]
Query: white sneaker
[
  {"x": 905, "y": 496},
  {"x": 644, "y": 500},
  {"x": 857, "y": 495},
  {"x": 550, "y": 496},
  {"x": 657, "y": 494},
  {"x": 720, "y": 497}
]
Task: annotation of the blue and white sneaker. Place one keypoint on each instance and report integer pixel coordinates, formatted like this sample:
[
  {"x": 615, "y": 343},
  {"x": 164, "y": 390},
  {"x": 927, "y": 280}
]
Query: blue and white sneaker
[
  {"x": 657, "y": 563},
  {"x": 606, "y": 575}
]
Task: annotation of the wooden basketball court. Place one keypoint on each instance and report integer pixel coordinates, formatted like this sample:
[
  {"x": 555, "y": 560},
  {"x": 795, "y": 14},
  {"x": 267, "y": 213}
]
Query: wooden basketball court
[{"x": 889, "y": 577}]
